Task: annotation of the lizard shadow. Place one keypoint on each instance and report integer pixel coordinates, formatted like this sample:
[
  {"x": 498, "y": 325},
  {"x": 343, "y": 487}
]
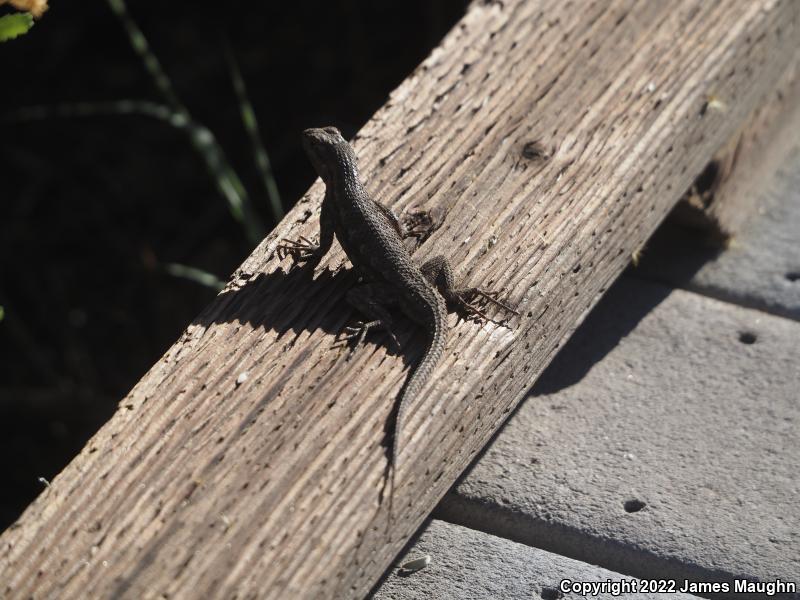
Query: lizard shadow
[
  {"x": 307, "y": 299},
  {"x": 302, "y": 299}
]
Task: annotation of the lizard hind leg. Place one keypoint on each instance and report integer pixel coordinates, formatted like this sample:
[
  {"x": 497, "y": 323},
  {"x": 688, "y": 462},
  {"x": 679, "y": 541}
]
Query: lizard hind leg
[
  {"x": 370, "y": 299},
  {"x": 470, "y": 303}
]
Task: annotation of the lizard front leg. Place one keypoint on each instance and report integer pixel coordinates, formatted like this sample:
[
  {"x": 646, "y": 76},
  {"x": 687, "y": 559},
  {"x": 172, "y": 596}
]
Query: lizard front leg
[
  {"x": 308, "y": 251},
  {"x": 469, "y": 302},
  {"x": 418, "y": 224}
]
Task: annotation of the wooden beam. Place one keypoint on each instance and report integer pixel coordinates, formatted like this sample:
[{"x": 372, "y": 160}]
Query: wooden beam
[{"x": 550, "y": 138}]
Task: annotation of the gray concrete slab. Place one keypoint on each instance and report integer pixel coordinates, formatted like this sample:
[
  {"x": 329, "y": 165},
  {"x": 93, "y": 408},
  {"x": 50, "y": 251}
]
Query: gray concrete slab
[
  {"x": 662, "y": 442},
  {"x": 761, "y": 269},
  {"x": 470, "y": 564}
]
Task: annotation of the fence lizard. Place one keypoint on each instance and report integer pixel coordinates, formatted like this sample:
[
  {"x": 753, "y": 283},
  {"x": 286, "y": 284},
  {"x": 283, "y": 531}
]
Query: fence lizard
[{"x": 372, "y": 237}]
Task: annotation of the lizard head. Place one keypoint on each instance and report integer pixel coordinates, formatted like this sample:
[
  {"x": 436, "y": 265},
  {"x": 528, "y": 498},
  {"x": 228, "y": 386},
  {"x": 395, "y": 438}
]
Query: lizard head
[{"x": 326, "y": 148}]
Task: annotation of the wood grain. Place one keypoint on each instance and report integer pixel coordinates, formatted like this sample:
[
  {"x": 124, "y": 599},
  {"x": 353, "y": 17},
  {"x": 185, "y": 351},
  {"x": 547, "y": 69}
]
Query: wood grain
[{"x": 551, "y": 138}]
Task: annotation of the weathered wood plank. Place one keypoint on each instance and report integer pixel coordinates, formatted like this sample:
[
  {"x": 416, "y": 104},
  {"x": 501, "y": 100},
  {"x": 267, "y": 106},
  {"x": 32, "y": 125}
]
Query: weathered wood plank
[{"x": 551, "y": 138}]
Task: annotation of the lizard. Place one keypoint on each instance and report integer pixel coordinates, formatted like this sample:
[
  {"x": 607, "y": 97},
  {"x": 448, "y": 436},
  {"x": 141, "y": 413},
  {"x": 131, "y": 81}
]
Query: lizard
[{"x": 372, "y": 238}]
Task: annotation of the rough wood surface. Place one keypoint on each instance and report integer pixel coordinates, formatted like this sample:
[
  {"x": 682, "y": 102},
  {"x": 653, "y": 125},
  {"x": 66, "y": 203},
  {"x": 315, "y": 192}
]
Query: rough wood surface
[
  {"x": 726, "y": 193},
  {"x": 550, "y": 138}
]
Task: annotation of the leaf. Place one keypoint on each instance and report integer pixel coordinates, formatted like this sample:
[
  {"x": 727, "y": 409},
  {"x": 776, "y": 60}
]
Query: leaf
[
  {"x": 13, "y": 25},
  {"x": 194, "y": 274}
]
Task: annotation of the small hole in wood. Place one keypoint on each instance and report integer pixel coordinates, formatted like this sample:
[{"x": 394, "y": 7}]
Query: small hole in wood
[
  {"x": 747, "y": 337},
  {"x": 632, "y": 506},
  {"x": 793, "y": 276},
  {"x": 535, "y": 151}
]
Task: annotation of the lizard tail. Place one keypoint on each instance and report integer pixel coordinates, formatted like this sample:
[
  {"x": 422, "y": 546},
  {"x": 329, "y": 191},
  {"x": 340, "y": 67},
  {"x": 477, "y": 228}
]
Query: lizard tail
[{"x": 422, "y": 372}]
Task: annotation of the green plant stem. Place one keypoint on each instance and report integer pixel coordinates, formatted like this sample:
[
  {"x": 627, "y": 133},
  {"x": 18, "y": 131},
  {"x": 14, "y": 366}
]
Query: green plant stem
[
  {"x": 227, "y": 181},
  {"x": 194, "y": 274},
  {"x": 150, "y": 60},
  {"x": 203, "y": 140},
  {"x": 251, "y": 127}
]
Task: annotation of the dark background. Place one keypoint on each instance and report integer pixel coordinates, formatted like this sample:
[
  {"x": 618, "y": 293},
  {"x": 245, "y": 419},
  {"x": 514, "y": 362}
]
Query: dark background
[{"x": 94, "y": 207}]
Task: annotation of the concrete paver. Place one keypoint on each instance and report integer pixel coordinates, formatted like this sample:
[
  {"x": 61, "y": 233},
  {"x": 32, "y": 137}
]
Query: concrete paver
[
  {"x": 761, "y": 269},
  {"x": 662, "y": 442},
  {"x": 471, "y": 564}
]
